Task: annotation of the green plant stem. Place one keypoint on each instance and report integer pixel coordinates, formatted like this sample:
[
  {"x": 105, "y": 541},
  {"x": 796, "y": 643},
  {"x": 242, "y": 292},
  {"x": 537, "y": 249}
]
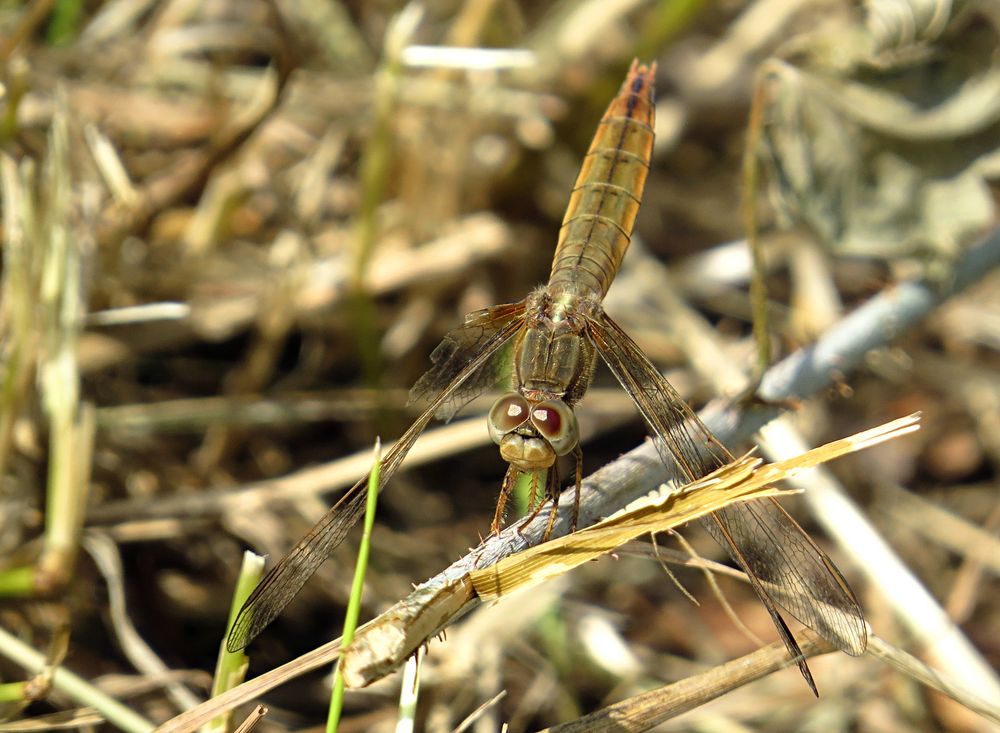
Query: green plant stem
[
  {"x": 72, "y": 426},
  {"x": 73, "y": 685},
  {"x": 758, "y": 286},
  {"x": 354, "y": 603},
  {"x": 668, "y": 20},
  {"x": 18, "y": 288},
  {"x": 18, "y": 582},
  {"x": 231, "y": 667},
  {"x": 375, "y": 164},
  {"x": 13, "y": 692},
  {"x": 526, "y": 485},
  {"x": 65, "y": 22}
]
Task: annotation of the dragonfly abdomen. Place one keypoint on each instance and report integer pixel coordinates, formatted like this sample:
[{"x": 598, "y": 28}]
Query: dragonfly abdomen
[{"x": 602, "y": 208}]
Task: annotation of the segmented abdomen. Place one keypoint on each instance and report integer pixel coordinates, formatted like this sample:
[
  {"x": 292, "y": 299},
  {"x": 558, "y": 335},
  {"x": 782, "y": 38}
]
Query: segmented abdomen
[{"x": 605, "y": 200}]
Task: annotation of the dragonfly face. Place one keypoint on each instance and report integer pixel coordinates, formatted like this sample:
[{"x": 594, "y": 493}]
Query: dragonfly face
[
  {"x": 553, "y": 365},
  {"x": 532, "y": 434}
]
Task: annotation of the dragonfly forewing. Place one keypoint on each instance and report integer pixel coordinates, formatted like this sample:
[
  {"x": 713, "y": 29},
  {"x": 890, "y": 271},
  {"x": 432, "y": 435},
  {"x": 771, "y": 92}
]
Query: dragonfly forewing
[
  {"x": 453, "y": 353},
  {"x": 286, "y": 579}
]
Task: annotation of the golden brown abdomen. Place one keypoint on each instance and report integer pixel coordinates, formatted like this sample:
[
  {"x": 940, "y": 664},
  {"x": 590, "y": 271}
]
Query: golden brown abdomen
[{"x": 602, "y": 208}]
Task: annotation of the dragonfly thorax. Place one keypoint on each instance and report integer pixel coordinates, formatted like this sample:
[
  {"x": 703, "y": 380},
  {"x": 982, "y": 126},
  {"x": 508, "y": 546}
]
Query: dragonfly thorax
[{"x": 552, "y": 358}]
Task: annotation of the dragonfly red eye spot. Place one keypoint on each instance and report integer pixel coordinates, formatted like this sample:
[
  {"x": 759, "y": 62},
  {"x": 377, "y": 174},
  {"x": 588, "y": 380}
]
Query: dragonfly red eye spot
[
  {"x": 508, "y": 413},
  {"x": 555, "y": 421},
  {"x": 546, "y": 420}
]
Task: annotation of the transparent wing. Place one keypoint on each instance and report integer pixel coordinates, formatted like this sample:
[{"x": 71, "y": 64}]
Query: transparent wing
[
  {"x": 783, "y": 563},
  {"x": 454, "y": 352},
  {"x": 286, "y": 579}
]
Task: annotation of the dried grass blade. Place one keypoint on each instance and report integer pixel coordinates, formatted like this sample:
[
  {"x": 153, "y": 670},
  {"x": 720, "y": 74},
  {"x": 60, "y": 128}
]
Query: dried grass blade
[{"x": 744, "y": 479}]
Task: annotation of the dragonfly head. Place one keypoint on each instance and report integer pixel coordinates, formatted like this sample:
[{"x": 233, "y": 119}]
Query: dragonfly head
[{"x": 532, "y": 434}]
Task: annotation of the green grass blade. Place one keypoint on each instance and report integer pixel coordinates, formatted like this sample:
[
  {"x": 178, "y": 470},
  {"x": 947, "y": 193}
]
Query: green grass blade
[
  {"x": 354, "y": 604},
  {"x": 231, "y": 667}
]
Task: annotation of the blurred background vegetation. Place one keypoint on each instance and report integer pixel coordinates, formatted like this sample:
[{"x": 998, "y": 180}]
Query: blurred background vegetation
[{"x": 233, "y": 231}]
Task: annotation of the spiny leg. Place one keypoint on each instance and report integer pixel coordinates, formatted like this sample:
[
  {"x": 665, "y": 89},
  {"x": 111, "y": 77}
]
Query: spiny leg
[
  {"x": 577, "y": 484},
  {"x": 509, "y": 481},
  {"x": 534, "y": 492},
  {"x": 552, "y": 491}
]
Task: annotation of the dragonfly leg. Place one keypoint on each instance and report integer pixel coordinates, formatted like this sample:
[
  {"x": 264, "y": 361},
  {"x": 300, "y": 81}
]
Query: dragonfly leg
[
  {"x": 532, "y": 505},
  {"x": 552, "y": 491},
  {"x": 509, "y": 479},
  {"x": 578, "y": 482}
]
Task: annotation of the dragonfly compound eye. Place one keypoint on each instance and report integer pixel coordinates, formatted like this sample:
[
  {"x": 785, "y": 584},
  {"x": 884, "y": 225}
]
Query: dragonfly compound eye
[
  {"x": 555, "y": 421},
  {"x": 507, "y": 414}
]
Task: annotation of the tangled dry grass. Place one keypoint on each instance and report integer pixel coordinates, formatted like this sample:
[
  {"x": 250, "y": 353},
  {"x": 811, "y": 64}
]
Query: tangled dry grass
[{"x": 194, "y": 195}]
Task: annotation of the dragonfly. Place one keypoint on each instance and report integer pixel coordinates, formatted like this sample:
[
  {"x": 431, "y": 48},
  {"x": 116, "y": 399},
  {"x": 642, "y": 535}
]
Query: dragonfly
[{"x": 557, "y": 334}]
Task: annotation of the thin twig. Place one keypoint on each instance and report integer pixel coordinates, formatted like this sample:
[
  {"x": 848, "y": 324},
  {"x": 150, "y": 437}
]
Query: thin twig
[{"x": 643, "y": 711}]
